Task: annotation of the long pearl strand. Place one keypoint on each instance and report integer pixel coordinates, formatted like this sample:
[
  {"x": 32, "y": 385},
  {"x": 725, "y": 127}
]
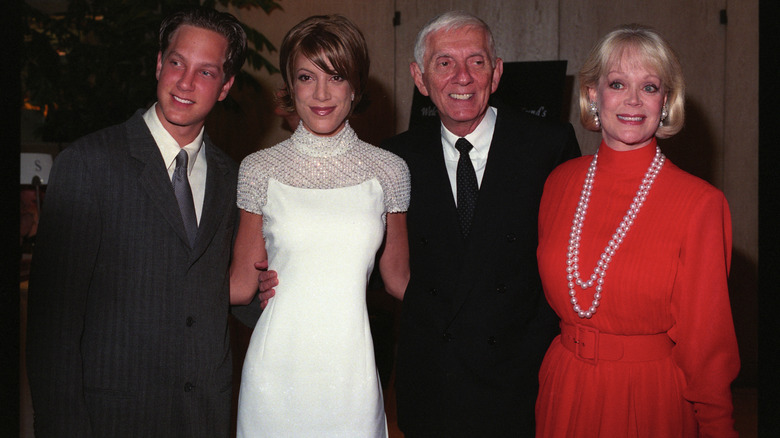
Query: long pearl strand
[{"x": 572, "y": 257}]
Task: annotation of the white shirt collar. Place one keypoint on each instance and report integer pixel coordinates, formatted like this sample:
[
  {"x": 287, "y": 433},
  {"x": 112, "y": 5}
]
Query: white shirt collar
[
  {"x": 480, "y": 137},
  {"x": 169, "y": 148}
]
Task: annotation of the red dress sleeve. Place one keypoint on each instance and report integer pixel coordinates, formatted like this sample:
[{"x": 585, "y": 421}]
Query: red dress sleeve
[{"x": 706, "y": 349}]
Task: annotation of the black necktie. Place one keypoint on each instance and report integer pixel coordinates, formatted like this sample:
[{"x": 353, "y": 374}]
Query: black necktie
[
  {"x": 181, "y": 187},
  {"x": 466, "y": 186}
]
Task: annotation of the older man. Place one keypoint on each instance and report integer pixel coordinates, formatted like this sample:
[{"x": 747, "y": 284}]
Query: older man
[{"x": 475, "y": 324}]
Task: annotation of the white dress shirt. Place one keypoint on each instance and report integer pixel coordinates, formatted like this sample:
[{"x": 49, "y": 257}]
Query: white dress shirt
[
  {"x": 169, "y": 148},
  {"x": 479, "y": 138}
]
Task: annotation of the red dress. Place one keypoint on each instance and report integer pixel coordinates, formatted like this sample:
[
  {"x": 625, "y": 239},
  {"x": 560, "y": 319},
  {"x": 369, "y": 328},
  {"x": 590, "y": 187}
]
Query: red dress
[{"x": 668, "y": 276}]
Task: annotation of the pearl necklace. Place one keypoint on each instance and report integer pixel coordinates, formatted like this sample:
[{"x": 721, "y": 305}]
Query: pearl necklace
[{"x": 572, "y": 257}]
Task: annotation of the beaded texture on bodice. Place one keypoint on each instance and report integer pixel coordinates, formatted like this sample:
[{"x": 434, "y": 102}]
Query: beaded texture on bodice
[{"x": 309, "y": 161}]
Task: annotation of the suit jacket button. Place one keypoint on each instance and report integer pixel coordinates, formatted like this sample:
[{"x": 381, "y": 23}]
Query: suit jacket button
[
  {"x": 492, "y": 340},
  {"x": 501, "y": 288},
  {"x": 423, "y": 241},
  {"x": 188, "y": 387},
  {"x": 511, "y": 237},
  {"x": 190, "y": 321},
  {"x": 433, "y": 291},
  {"x": 446, "y": 337}
]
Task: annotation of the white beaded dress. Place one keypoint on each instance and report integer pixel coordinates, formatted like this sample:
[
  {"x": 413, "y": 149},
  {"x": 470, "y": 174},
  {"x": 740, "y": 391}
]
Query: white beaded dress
[{"x": 309, "y": 369}]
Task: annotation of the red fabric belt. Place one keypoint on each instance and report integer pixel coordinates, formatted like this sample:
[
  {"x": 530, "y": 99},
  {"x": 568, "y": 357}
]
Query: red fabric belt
[{"x": 590, "y": 345}]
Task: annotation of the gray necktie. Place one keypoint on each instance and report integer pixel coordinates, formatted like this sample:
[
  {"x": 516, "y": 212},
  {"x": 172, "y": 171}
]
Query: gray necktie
[
  {"x": 467, "y": 188},
  {"x": 181, "y": 187}
]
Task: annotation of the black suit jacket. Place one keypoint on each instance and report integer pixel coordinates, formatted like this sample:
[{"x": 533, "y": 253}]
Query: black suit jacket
[
  {"x": 127, "y": 332},
  {"x": 475, "y": 324}
]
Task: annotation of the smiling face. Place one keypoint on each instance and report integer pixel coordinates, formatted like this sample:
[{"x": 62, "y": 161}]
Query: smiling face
[
  {"x": 190, "y": 80},
  {"x": 322, "y": 100},
  {"x": 629, "y": 97},
  {"x": 458, "y": 76}
]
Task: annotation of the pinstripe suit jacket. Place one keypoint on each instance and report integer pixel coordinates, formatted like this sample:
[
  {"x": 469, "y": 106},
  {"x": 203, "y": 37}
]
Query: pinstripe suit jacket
[
  {"x": 475, "y": 323},
  {"x": 127, "y": 332}
]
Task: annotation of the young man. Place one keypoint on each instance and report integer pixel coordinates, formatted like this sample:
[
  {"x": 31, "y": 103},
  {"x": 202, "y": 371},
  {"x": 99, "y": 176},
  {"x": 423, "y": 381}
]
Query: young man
[{"x": 128, "y": 299}]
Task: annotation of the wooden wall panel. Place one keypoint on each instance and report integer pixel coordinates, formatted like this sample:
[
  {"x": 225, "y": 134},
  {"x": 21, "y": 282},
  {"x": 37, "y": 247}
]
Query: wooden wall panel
[
  {"x": 740, "y": 174},
  {"x": 693, "y": 29}
]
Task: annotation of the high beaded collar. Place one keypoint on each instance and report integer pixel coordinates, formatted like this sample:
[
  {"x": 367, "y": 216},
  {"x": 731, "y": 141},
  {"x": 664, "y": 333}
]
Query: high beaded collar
[{"x": 314, "y": 145}]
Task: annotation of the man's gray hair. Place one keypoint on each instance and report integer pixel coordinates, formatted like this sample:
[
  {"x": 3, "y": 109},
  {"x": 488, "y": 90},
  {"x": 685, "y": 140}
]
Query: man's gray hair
[{"x": 451, "y": 20}]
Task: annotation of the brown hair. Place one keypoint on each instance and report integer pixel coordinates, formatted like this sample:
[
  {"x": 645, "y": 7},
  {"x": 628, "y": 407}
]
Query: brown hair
[
  {"x": 325, "y": 39},
  {"x": 656, "y": 54},
  {"x": 220, "y": 22}
]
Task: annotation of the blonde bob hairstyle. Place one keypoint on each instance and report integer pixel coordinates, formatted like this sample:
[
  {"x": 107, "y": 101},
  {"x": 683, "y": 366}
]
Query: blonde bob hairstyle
[
  {"x": 325, "y": 39},
  {"x": 657, "y": 55}
]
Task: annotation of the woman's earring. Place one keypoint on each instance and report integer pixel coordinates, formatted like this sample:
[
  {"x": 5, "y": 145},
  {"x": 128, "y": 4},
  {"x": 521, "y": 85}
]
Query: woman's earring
[
  {"x": 664, "y": 115},
  {"x": 595, "y": 111},
  {"x": 353, "y": 97}
]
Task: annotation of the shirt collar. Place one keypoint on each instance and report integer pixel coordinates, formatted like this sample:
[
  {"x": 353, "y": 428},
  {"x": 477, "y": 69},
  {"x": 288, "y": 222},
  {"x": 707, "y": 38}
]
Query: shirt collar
[
  {"x": 479, "y": 138},
  {"x": 169, "y": 148}
]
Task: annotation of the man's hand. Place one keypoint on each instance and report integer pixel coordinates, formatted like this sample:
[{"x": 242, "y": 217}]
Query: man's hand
[{"x": 266, "y": 280}]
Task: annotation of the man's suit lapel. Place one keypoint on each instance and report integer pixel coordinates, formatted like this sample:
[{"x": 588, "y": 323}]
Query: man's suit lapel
[
  {"x": 439, "y": 186},
  {"x": 215, "y": 204},
  {"x": 153, "y": 176},
  {"x": 491, "y": 197}
]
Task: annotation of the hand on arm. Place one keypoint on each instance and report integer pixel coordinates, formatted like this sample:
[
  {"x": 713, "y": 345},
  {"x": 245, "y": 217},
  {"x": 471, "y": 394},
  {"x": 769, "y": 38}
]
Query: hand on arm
[
  {"x": 394, "y": 261},
  {"x": 266, "y": 280},
  {"x": 248, "y": 249}
]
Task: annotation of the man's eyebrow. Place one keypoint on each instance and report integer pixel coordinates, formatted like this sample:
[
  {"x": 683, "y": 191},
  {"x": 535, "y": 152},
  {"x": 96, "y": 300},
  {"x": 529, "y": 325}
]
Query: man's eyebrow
[{"x": 207, "y": 64}]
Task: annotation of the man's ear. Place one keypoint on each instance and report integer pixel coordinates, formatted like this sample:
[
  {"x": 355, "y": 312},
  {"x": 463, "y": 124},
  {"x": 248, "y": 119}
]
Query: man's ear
[
  {"x": 498, "y": 70},
  {"x": 226, "y": 89},
  {"x": 417, "y": 75}
]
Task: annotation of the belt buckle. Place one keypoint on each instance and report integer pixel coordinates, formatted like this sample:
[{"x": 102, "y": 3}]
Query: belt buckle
[{"x": 586, "y": 340}]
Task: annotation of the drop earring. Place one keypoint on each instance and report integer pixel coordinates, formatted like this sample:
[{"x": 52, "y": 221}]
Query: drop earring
[
  {"x": 664, "y": 115},
  {"x": 595, "y": 112}
]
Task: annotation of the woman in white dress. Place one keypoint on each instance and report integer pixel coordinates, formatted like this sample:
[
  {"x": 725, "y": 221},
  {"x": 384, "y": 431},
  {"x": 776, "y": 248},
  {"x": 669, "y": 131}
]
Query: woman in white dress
[{"x": 319, "y": 206}]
